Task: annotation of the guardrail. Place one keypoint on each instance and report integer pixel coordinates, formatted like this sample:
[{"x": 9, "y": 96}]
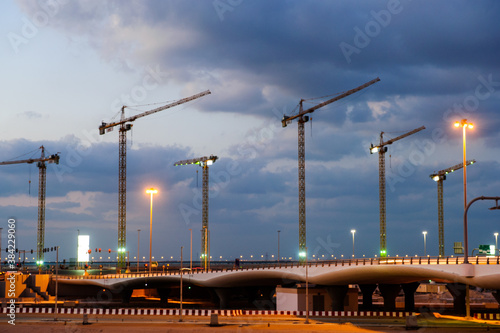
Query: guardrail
[{"x": 327, "y": 263}]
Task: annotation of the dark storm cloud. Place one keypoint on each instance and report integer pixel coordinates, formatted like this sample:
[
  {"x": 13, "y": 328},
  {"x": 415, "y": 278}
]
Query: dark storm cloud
[{"x": 437, "y": 63}]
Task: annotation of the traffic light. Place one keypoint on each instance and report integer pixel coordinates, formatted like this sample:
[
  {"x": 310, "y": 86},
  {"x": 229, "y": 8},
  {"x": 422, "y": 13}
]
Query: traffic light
[
  {"x": 90, "y": 251},
  {"x": 109, "y": 251},
  {"x": 96, "y": 249},
  {"x": 99, "y": 250},
  {"x": 31, "y": 251}
]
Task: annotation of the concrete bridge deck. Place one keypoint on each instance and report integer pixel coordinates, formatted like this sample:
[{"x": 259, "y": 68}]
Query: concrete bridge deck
[{"x": 483, "y": 272}]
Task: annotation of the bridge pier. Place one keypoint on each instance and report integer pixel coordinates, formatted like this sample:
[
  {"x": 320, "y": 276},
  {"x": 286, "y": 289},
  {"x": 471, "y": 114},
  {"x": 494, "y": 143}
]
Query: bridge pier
[
  {"x": 163, "y": 293},
  {"x": 409, "y": 290},
  {"x": 126, "y": 294},
  {"x": 367, "y": 290},
  {"x": 223, "y": 294},
  {"x": 389, "y": 293},
  {"x": 337, "y": 295},
  {"x": 457, "y": 290},
  {"x": 496, "y": 294}
]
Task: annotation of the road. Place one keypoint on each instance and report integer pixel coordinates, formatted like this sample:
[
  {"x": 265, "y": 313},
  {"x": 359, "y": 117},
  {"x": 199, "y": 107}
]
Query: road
[{"x": 286, "y": 324}]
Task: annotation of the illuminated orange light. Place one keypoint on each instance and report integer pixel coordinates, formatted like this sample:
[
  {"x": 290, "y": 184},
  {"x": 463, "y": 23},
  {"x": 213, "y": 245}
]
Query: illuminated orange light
[{"x": 151, "y": 191}]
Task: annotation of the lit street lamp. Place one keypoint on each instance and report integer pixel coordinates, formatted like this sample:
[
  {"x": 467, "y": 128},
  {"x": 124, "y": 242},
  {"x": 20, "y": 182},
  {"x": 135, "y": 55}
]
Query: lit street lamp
[
  {"x": 151, "y": 191},
  {"x": 353, "y": 232},
  {"x": 425, "y": 242}
]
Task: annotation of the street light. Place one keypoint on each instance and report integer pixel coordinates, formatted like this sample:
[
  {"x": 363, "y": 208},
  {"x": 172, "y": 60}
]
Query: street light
[
  {"x": 466, "y": 246},
  {"x": 353, "y": 232},
  {"x": 278, "y": 245},
  {"x": 496, "y": 240},
  {"x": 138, "y": 238},
  {"x": 425, "y": 242},
  {"x": 464, "y": 124},
  {"x": 151, "y": 191}
]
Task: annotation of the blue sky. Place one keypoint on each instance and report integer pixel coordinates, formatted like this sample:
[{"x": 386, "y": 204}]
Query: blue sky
[{"x": 68, "y": 65}]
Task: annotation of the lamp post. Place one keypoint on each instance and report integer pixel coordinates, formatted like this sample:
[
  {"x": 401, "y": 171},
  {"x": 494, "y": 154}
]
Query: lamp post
[
  {"x": 190, "y": 252},
  {"x": 279, "y": 245},
  {"x": 180, "y": 271},
  {"x": 464, "y": 124},
  {"x": 466, "y": 244},
  {"x": 425, "y": 242},
  {"x": 138, "y": 238},
  {"x": 307, "y": 290},
  {"x": 496, "y": 241},
  {"x": 353, "y": 231},
  {"x": 151, "y": 191},
  {"x": 57, "y": 264}
]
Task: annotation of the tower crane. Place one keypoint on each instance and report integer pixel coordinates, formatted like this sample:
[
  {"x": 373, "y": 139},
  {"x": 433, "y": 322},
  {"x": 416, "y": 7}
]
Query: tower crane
[
  {"x": 439, "y": 177},
  {"x": 382, "y": 149},
  {"x": 301, "y": 119},
  {"x": 204, "y": 162},
  {"x": 125, "y": 126},
  {"x": 42, "y": 172}
]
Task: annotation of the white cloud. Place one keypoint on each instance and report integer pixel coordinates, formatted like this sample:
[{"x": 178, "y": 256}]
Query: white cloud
[{"x": 379, "y": 108}]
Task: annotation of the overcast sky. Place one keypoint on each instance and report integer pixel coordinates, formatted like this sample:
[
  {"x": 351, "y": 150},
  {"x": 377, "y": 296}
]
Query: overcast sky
[{"x": 68, "y": 65}]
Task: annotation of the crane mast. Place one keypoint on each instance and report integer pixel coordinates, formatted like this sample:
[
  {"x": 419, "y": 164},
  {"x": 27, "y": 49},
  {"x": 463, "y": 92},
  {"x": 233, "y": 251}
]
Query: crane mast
[
  {"x": 125, "y": 126},
  {"x": 301, "y": 119},
  {"x": 42, "y": 176},
  {"x": 439, "y": 177},
  {"x": 204, "y": 162},
  {"x": 382, "y": 149}
]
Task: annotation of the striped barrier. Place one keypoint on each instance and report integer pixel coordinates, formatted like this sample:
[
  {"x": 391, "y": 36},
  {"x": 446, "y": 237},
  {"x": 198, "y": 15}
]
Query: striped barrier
[
  {"x": 487, "y": 316},
  {"x": 203, "y": 312}
]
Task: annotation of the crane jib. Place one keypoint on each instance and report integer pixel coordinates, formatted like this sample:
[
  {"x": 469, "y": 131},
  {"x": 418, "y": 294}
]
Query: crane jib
[
  {"x": 105, "y": 126},
  {"x": 288, "y": 119}
]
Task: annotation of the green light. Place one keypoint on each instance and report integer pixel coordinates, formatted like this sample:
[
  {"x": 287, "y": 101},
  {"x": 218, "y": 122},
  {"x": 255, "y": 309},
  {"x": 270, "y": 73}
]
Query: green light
[
  {"x": 382, "y": 252},
  {"x": 302, "y": 254}
]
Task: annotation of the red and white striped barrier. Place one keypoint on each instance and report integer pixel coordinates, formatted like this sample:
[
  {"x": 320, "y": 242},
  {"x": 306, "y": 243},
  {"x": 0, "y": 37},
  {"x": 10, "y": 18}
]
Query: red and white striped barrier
[
  {"x": 227, "y": 313},
  {"x": 487, "y": 316}
]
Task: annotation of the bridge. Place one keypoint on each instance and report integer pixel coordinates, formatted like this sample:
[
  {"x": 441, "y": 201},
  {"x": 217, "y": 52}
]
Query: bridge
[{"x": 389, "y": 274}]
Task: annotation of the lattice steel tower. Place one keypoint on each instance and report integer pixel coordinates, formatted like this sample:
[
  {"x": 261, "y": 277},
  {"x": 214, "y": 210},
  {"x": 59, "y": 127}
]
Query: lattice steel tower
[{"x": 301, "y": 119}]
